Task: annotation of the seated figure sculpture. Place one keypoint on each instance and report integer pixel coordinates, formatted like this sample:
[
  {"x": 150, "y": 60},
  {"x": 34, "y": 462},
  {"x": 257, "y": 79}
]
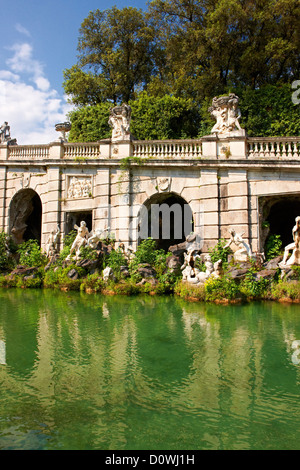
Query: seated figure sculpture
[
  {"x": 294, "y": 259},
  {"x": 243, "y": 252}
]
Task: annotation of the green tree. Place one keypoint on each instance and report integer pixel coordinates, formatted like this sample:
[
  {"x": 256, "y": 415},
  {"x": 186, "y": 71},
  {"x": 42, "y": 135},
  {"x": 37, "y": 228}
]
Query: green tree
[
  {"x": 90, "y": 123},
  {"x": 115, "y": 57}
]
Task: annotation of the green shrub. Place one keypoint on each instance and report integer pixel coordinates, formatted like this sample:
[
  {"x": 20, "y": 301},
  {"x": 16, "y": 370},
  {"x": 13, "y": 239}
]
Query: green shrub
[
  {"x": 147, "y": 253},
  {"x": 221, "y": 288},
  {"x": 68, "y": 240},
  {"x": 115, "y": 259},
  {"x": 31, "y": 254},
  {"x": 189, "y": 291},
  {"x": 285, "y": 289},
  {"x": 92, "y": 282},
  {"x": 220, "y": 252},
  {"x": 254, "y": 289},
  {"x": 7, "y": 247},
  {"x": 273, "y": 247}
]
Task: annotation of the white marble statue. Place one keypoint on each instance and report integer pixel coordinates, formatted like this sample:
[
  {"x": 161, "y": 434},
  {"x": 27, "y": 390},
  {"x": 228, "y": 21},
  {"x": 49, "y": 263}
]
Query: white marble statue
[
  {"x": 52, "y": 242},
  {"x": 294, "y": 258},
  {"x": 95, "y": 238},
  {"x": 80, "y": 240},
  {"x": 226, "y": 112},
  {"x": 193, "y": 275},
  {"x": 4, "y": 132},
  {"x": 243, "y": 252},
  {"x": 108, "y": 274},
  {"x": 119, "y": 121}
]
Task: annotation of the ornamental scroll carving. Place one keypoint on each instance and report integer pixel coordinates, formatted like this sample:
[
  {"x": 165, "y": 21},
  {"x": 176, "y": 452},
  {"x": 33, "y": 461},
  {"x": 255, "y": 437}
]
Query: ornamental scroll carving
[{"x": 79, "y": 187}]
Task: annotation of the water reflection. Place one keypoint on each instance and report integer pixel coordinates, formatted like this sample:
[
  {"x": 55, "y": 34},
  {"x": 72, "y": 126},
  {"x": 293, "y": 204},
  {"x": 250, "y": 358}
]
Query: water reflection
[
  {"x": 2, "y": 353},
  {"x": 143, "y": 372}
]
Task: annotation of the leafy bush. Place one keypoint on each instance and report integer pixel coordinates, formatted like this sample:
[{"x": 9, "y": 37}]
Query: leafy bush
[
  {"x": 285, "y": 289},
  {"x": 7, "y": 247},
  {"x": 189, "y": 291},
  {"x": 31, "y": 254},
  {"x": 220, "y": 252},
  {"x": 273, "y": 247},
  {"x": 221, "y": 288},
  {"x": 147, "y": 253},
  {"x": 115, "y": 260},
  {"x": 252, "y": 288},
  {"x": 92, "y": 282},
  {"x": 68, "y": 240}
]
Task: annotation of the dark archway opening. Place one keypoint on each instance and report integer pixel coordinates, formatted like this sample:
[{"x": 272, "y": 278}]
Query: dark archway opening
[
  {"x": 26, "y": 216},
  {"x": 280, "y": 213},
  {"x": 167, "y": 218},
  {"x": 74, "y": 218}
]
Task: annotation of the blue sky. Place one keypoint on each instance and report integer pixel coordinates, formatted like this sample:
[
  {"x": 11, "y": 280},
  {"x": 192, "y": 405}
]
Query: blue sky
[{"x": 38, "y": 40}]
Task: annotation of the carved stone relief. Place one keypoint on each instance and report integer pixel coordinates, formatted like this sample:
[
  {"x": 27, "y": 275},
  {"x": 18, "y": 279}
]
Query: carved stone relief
[{"x": 79, "y": 187}]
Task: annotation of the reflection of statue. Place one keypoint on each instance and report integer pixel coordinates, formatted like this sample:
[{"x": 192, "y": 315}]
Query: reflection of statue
[
  {"x": 294, "y": 247},
  {"x": 51, "y": 246},
  {"x": 243, "y": 252},
  {"x": 80, "y": 240},
  {"x": 226, "y": 112},
  {"x": 119, "y": 120}
]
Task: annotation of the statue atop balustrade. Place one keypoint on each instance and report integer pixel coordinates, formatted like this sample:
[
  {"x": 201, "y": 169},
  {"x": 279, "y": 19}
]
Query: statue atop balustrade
[
  {"x": 225, "y": 110},
  {"x": 5, "y": 134},
  {"x": 119, "y": 121}
]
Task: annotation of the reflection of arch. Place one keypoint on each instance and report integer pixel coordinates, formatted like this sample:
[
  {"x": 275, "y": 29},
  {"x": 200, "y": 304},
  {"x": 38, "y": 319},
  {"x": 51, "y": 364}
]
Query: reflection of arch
[
  {"x": 167, "y": 218},
  {"x": 277, "y": 214},
  {"x": 25, "y": 216}
]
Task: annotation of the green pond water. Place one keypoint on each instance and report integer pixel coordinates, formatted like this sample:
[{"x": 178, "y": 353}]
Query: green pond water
[{"x": 83, "y": 371}]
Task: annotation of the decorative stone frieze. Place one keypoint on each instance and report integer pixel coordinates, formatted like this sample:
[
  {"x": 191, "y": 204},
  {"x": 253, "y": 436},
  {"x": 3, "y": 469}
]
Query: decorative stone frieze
[{"x": 79, "y": 187}]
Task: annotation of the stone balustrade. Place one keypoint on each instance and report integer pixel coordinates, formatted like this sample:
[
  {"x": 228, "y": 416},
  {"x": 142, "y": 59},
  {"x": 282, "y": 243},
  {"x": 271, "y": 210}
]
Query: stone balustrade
[
  {"x": 81, "y": 150},
  {"x": 28, "y": 152},
  {"x": 274, "y": 147},
  {"x": 255, "y": 148},
  {"x": 160, "y": 149}
]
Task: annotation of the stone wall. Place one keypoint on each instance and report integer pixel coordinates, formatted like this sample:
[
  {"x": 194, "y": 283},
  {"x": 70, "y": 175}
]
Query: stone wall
[{"x": 222, "y": 180}]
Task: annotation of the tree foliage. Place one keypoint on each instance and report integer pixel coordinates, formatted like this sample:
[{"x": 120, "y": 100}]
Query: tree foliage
[{"x": 189, "y": 51}]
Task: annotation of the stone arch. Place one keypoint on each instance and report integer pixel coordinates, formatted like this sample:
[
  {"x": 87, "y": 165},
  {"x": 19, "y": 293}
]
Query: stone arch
[
  {"x": 25, "y": 216},
  {"x": 277, "y": 217},
  {"x": 165, "y": 217}
]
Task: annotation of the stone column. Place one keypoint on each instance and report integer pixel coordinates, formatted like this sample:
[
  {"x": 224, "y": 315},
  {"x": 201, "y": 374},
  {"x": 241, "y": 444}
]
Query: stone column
[
  {"x": 51, "y": 204},
  {"x": 209, "y": 207}
]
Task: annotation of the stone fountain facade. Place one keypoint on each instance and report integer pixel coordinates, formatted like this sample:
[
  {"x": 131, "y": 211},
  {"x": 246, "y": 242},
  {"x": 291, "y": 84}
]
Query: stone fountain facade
[{"x": 226, "y": 178}]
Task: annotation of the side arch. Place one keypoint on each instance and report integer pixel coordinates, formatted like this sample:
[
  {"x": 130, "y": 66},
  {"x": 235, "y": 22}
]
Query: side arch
[{"x": 25, "y": 216}]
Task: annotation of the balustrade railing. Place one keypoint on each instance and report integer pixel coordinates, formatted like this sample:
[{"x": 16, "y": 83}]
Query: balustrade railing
[
  {"x": 34, "y": 152},
  {"x": 274, "y": 147},
  {"x": 159, "y": 149},
  {"x": 257, "y": 147},
  {"x": 80, "y": 150}
]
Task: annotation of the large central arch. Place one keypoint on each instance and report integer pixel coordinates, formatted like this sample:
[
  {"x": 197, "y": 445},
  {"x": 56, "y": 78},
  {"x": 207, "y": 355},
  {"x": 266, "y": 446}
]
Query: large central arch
[
  {"x": 167, "y": 218},
  {"x": 25, "y": 216}
]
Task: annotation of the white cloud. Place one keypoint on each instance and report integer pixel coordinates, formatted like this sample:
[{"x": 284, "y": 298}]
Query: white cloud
[
  {"x": 22, "y": 30},
  {"x": 27, "y": 101}
]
